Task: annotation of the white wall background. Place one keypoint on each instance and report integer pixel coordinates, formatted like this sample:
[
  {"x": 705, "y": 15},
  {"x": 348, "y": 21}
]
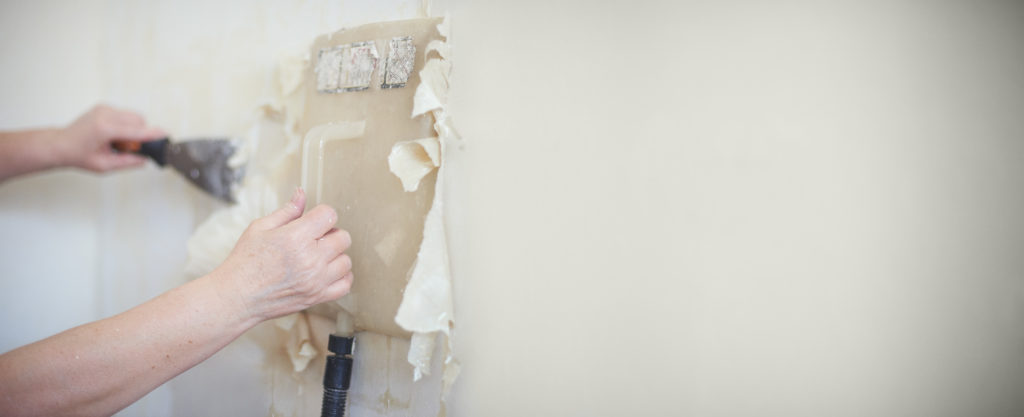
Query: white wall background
[
  {"x": 661, "y": 208},
  {"x": 49, "y": 222}
]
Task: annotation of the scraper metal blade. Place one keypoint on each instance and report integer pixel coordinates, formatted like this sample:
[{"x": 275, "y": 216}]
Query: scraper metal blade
[{"x": 203, "y": 162}]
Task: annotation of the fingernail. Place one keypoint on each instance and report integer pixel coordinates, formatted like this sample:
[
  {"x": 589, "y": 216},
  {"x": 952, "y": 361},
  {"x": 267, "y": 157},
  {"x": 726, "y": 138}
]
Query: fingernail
[{"x": 294, "y": 202}]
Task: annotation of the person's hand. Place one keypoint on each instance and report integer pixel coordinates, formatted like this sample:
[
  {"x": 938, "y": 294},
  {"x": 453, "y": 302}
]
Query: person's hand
[
  {"x": 288, "y": 261},
  {"x": 85, "y": 143}
]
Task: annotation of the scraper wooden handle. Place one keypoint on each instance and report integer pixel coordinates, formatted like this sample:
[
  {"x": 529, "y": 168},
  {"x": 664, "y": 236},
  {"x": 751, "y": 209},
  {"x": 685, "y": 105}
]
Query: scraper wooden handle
[{"x": 155, "y": 150}]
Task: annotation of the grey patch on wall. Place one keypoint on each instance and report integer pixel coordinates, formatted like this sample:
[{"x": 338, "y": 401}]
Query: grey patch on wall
[
  {"x": 328, "y": 69},
  {"x": 399, "y": 64},
  {"x": 359, "y": 61},
  {"x": 349, "y": 68},
  {"x": 346, "y": 68}
]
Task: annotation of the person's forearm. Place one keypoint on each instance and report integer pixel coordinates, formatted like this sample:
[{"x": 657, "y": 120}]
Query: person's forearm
[
  {"x": 284, "y": 262},
  {"x": 102, "y": 367},
  {"x": 28, "y": 151},
  {"x": 84, "y": 144}
]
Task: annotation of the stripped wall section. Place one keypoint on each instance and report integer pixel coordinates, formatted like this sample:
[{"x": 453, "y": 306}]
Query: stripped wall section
[{"x": 200, "y": 68}]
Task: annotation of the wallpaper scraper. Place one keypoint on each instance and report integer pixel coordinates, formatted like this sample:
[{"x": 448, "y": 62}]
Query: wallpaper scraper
[{"x": 204, "y": 162}]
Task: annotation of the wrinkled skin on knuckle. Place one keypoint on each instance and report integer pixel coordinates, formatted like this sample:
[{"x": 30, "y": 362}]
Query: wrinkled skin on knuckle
[
  {"x": 305, "y": 287},
  {"x": 321, "y": 264},
  {"x": 326, "y": 212},
  {"x": 325, "y": 209},
  {"x": 346, "y": 239},
  {"x": 346, "y": 264}
]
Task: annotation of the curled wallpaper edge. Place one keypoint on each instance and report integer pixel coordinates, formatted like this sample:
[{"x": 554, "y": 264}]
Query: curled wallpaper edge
[{"x": 427, "y": 309}]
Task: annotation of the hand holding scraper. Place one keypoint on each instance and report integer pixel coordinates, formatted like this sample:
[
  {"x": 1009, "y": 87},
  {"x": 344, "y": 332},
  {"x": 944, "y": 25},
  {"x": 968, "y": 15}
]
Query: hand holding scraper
[{"x": 204, "y": 162}]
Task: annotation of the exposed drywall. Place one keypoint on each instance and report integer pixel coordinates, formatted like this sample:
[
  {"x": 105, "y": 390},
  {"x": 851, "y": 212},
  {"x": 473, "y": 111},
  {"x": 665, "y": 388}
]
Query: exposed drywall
[
  {"x": 337, "y": 115},
  {"x": 352, "y": 175}
]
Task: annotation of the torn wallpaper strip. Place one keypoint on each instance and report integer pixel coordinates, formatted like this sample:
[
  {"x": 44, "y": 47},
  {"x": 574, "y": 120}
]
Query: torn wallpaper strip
[{"x": 427, "y": 307}]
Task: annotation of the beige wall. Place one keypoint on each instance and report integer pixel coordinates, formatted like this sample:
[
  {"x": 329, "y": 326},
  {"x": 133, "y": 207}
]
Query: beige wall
[
  {"x": 666, "y": 208},
  {"x": 661, "y": 208}
]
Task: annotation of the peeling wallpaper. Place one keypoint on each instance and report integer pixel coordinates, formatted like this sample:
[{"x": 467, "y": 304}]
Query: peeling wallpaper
[{"x": 744, "y": 209}]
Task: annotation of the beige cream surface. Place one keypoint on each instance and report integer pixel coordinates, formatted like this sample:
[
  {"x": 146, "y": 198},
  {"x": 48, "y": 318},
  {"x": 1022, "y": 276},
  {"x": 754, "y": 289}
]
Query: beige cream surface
[
  {"x": 337, "y": 141},
  {"x": 385, "y": 220},
  {"x": 660, "y": 208},
  {"x": 738, "y": 208}
]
